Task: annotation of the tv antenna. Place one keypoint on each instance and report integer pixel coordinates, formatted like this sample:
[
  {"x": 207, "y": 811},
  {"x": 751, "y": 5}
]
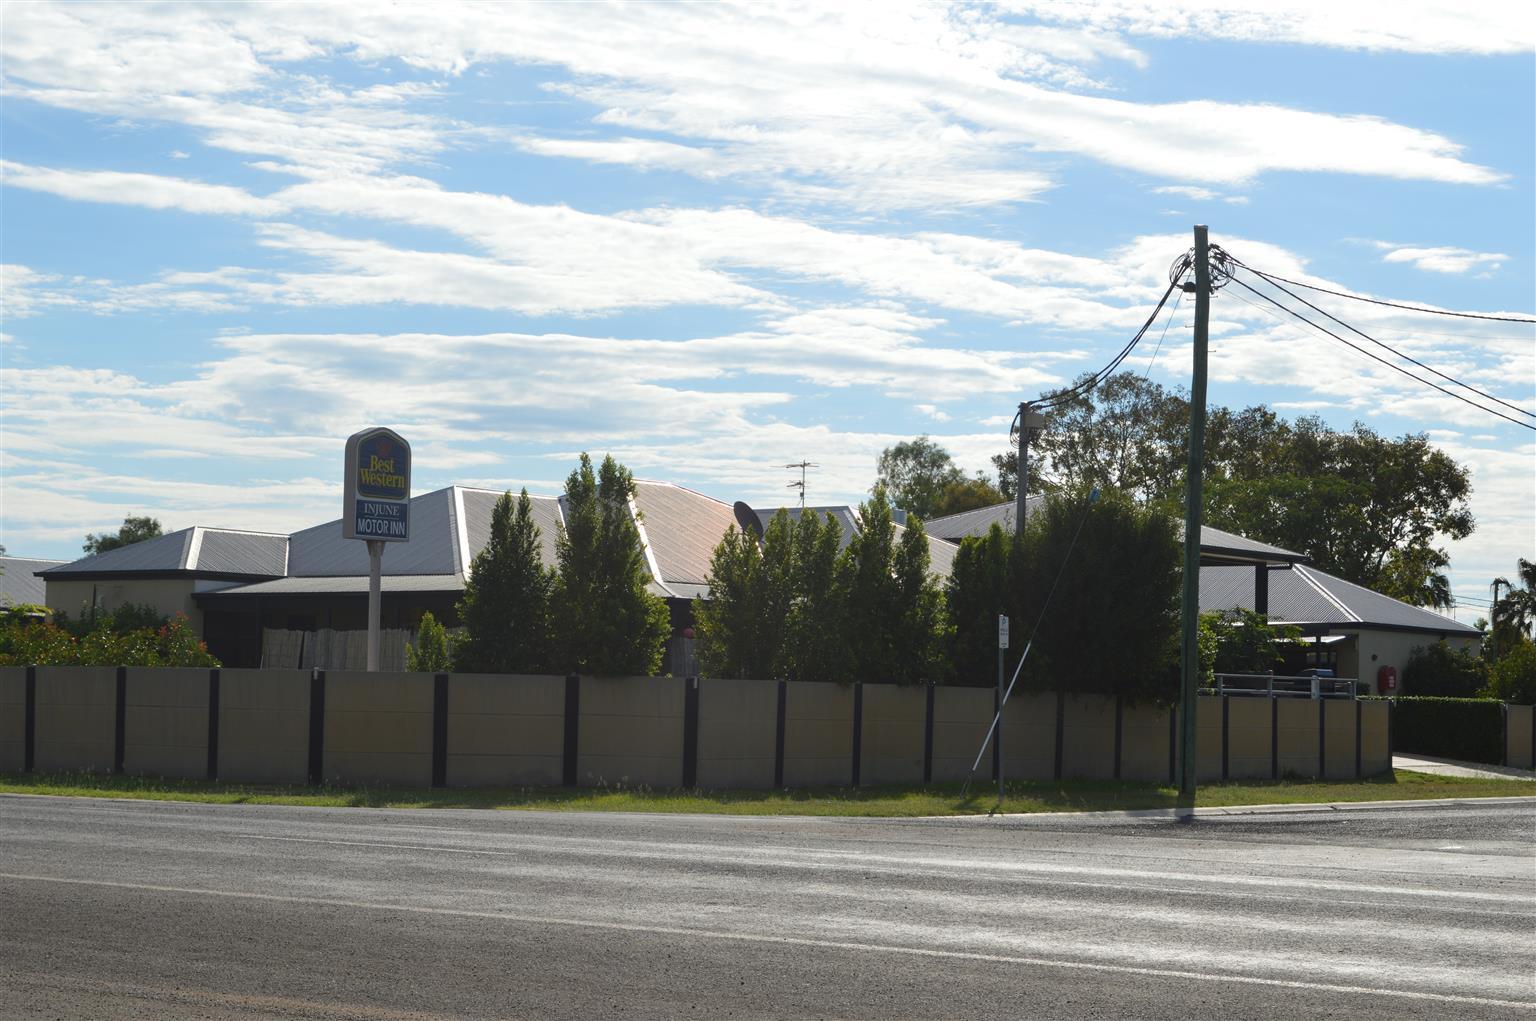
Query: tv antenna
[{"x": 800, "y": 485}]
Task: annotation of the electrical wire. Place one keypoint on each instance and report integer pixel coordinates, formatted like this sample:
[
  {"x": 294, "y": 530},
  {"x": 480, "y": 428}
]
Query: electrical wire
[
  {"x": 1271, "y": 277},
  {"x": 1376, "y": 357},
  {"x": 1098, "y": 377},
  {"x": 1400, "y": 354}
]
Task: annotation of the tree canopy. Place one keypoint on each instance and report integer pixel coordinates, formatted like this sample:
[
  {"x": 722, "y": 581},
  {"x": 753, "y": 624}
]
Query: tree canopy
[
  {"x": 915, "y": 473},
  {"x": 134, "y": 529},
  {"x": 1111, "y": 624},
  {"x": 1368, "y": 508},
  {"x": 793, "y": 606},
  {"x": 605, "y": 619},
  {"x": 506, "y": 605}
]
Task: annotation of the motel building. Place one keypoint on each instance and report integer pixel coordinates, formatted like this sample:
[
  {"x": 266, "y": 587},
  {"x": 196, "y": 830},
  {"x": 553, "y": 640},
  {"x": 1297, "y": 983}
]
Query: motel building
[{"x": 300, "y": 599}]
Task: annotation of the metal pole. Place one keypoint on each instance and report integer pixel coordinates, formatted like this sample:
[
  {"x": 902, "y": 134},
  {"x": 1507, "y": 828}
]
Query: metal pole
[
  {"x": 1021, "y": 491},
  {"x": 375, "y": 600},
  {"x": 998, "y": 748},
  {"x": 1192, "y": 515}
]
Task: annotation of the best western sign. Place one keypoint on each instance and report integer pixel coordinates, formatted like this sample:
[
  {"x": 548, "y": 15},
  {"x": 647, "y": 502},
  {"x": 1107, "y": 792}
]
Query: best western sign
[{"x": 377, "y": 490}]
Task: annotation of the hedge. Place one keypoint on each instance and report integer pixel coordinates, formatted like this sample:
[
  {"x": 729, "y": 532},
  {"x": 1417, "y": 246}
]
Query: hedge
[{"x": 1469, "y": 729}]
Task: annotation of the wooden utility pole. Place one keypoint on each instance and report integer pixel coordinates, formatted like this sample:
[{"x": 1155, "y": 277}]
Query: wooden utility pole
[{"x": 1193, "y": 498}]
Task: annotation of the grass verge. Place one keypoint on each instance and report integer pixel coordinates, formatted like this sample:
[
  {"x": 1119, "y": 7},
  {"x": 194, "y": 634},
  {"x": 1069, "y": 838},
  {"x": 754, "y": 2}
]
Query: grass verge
[{"x": 1024, "y": 796}]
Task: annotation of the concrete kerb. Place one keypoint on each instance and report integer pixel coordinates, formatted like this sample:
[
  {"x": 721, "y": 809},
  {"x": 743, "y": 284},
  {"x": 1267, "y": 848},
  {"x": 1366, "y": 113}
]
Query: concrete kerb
[{"x": 1299, "y": 808}]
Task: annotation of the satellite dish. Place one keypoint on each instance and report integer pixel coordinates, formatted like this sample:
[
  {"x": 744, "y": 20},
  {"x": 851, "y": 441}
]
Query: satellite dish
[{"x": 747, "y": 520}]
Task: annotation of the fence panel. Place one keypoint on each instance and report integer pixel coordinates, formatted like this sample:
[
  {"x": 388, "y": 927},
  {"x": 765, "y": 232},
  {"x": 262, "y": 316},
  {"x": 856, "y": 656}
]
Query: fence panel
[
  {"x": 76, "y": 718},
  {"x": 631, "y": 732},
  {"x": 738, "y": 725},
  {"x": 505, "y": 730}
]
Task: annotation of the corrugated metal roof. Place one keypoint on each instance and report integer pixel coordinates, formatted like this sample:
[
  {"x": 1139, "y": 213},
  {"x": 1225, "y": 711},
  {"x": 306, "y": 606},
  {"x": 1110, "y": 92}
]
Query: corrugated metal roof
[
  {"x": 683, "y": 528},
  {"x": 1305, "y": 595},
  {"x": 980, "y": 520},
  {"x": 19, "y": 582},
  {"x": 321, "y": 551},
  {"x": 480, "y": 504},
  {"x": 1216, "y": 539},
  {"x": 222, "y": 551},
  {"x": 163, "y": 553},
  {"x": 340, "y": 585}
]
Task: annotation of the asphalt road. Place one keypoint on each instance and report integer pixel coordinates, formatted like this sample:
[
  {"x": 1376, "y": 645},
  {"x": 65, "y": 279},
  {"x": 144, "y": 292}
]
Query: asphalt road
[{"x": 142, "y": 909}]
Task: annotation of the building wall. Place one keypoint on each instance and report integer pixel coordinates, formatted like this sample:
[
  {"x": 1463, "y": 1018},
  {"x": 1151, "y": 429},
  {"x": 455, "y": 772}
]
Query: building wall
[
  {"x": 167, "y": 595},
  {"x": 1372, "y": 650}
]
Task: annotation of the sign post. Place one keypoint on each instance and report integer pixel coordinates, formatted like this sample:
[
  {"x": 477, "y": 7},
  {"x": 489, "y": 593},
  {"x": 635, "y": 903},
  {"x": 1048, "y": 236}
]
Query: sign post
[
  {"x": 376, "y": 508},
  {"x": 997, "y": 749}
]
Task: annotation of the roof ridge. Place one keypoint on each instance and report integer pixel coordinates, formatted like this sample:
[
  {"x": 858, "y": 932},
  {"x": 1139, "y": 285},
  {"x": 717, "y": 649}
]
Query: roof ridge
[{"x": 1322, "y": 590}]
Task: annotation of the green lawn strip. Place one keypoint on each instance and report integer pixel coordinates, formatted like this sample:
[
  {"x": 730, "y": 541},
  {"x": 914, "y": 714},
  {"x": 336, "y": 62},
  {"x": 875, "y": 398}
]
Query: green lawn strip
[{"x": 935, "y": 800}]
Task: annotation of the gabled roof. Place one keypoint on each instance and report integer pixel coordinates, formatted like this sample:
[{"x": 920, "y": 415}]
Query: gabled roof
[
  {"x": 19, "y": 584},
  {"x": 1216, "y": 546},
  {"x": 205, "y": 552},
  {"x": 681, "y": 529},
  {"x": 1307, "y": 596}
]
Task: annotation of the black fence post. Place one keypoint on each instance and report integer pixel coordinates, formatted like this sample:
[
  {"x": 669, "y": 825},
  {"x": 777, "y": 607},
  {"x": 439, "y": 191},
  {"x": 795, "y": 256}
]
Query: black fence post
[
  {"x": 440, "y": 730},
  {"x": 1061, "y": 729},
  {"x": 316, "y": 727},
  {"x": 212, "y": 770},
  {"x": 858, "y": 728},
  {"x": 691, "y": 732},
  {"x": 928, "y": 737},
  {"x": 1226, "y": 715},
  {"x": 572, "y": 729},
  {"x": 1274, "y": 738},
  {"x": 1322, "y": 738},
  {"x": 120, "y": 723},
  {"x": 29, "y": 723},
  {"x": 1119, "y": 730},
  {"x": 1359, "y": 764},
  {"x": 1173, "y": 743},
  {"x": 778, "y": 737}
]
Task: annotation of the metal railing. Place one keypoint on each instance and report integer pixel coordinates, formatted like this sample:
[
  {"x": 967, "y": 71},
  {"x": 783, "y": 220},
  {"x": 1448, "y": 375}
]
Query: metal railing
[{"x": 1285, "y": 686}]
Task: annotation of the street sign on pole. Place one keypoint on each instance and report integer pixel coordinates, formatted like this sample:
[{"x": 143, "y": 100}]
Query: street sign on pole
[
  {"x": 1002, "y": 631},
  {"x": 376, "y": 506}
]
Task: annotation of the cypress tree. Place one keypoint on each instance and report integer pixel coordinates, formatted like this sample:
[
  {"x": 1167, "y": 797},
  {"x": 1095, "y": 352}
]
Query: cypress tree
[
  {"x": 506, "y": 604},
  {"x": 607, "y": 621},
  {"x": 815, "y": 648}
]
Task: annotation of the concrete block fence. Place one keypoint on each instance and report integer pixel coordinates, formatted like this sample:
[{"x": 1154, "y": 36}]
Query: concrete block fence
[{"x": 470, "y": 730}]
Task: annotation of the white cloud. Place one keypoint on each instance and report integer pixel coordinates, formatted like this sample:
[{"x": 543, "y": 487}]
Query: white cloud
[
  {"x": 1442, "y": 259},
  {"x": 152, "y": 191},
  {"x": 877, "y": 107},
  {"x": 1411, "y": 26}
]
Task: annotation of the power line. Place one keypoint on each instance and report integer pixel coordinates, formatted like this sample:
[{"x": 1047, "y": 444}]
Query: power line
[
  {"x": 1376, "y": 357},
  {"x": 1271, "y": 277},
  {"x": 1104, "y": 373},
  {"x": 1388, "y": 347}
]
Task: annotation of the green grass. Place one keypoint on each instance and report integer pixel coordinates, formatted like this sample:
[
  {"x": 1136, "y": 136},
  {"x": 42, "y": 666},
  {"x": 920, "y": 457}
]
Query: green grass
[{"x": 935, "y": 799}]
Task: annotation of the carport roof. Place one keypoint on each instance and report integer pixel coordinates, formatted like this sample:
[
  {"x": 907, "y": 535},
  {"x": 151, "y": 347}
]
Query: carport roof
[{"x": 1308, "y": 597}]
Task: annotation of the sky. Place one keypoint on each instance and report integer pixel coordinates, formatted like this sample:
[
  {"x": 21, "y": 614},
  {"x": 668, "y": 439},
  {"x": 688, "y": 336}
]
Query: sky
[{"x": 716, "y": 239}]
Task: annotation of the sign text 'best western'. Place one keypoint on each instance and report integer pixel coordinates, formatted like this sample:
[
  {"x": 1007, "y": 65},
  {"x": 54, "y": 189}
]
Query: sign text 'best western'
[{"x": 377, "y": 490}]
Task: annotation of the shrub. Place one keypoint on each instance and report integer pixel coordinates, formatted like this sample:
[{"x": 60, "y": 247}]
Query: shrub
[
  {"x": 430, "y": 654},
  {"x": 1440, "y": 671},
  {"x": 1239, "y": 641},
  {"x": 1470, "y": 729},
  {"x": 1513, "y": 678},
  {"x": 33, "y": 643}
]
